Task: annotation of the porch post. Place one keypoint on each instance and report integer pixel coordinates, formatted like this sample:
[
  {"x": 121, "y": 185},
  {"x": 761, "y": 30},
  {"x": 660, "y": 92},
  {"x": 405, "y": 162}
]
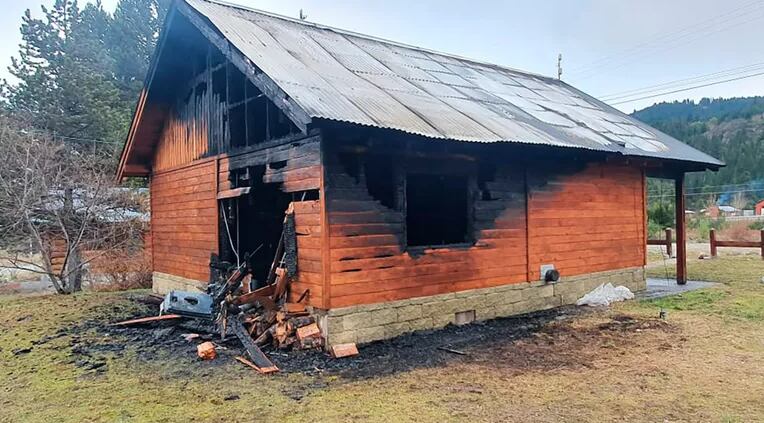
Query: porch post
[{"x": 681, "y": 237}]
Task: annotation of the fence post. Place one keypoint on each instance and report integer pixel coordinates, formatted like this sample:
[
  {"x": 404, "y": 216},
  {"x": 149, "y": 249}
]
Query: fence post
[
  {"x": 761, "y": 240},
  {"x": 712, "y": 239},
  {"x": 669, "y": 242}
]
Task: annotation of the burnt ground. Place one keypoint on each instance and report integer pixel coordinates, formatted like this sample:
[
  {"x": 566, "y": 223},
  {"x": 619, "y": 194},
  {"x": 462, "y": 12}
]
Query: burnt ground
[
  {"x": 617, "y": 364},
  {"x": 543, "y": 341}
]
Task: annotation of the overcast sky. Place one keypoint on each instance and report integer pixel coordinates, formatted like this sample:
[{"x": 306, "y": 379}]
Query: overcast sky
[{"x": 607, "y": 46}]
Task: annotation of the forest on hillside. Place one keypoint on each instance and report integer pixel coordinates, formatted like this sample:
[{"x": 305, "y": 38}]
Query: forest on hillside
[{"x": 729, "y": 129}]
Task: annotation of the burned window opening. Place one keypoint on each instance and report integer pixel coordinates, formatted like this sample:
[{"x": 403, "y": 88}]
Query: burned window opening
[
  {"x": 277, "y": 165},
  {"x": 436, "y": 209},
  {"x": 380, "y": 178},
  {"x": 247, "y": 177},
  {"x": 307, "y": 195}
]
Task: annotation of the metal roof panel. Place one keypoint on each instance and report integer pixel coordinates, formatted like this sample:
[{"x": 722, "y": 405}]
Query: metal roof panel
[{"x": 343, "y": 76}]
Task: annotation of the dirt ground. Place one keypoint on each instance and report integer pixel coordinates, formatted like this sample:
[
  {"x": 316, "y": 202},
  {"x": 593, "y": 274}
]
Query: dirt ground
[{"x": 61, "y": 361}]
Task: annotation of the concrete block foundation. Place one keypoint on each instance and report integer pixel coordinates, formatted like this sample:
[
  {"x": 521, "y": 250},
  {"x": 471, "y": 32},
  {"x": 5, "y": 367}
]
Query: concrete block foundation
[{"x": 367, "y": 323}]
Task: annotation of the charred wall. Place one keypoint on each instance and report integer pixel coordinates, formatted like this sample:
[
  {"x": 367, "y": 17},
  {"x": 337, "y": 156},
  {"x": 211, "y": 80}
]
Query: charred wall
[
  {"x": 584, "y": 218},
  {"x": 210, "y": 106}
]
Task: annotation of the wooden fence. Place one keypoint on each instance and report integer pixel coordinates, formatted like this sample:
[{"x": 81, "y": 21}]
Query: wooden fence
[
  {"x": 741, "y": 244},
  {"x": 667, "y": 242}
]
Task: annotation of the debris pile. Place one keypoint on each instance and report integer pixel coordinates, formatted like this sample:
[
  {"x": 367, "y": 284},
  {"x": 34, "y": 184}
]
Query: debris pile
[{"x": 256, "y": 316}]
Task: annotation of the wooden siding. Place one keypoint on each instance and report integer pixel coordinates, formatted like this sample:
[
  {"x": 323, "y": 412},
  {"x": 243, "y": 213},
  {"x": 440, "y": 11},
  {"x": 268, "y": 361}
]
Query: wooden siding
[
  {"x": 184, "y": 220},
  {"x": 300, "y": 160},
  {"x": 589, "y": 221},
  {"x": 584, "y": 221},
  {"x": 307, "y": 216}
]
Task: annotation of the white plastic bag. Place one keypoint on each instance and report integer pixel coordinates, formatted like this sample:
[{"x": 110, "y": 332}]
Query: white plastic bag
[{"x": 605, "y": 294}]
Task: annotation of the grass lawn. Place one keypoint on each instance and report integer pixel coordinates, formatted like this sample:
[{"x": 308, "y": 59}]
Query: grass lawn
[{"x": 706, "y": 363}]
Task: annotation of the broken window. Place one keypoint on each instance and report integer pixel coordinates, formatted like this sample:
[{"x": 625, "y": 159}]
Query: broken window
[{"x": 436, "y": 209}]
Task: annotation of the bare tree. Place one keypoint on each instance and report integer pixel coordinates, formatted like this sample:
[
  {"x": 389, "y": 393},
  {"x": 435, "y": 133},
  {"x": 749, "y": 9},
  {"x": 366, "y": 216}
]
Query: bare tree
[
  {"x": 62, "y": 200},
  {"x": 739, "y": 201}
]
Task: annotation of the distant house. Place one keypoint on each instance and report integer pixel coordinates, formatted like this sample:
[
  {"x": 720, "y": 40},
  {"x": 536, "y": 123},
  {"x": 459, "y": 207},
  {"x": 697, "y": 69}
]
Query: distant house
[
  {"x": 424, "y": 185},
  {"x": 759, "y": 208},
  {"x": 720, "y": 211}
]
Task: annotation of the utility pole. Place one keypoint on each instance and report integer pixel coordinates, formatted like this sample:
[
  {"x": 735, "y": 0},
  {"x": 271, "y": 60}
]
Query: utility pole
[{"x": 559, "y": 66}]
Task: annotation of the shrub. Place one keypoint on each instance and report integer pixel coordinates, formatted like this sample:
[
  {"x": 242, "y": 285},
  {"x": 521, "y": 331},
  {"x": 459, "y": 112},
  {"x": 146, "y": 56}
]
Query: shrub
[
  {"x": 699, "y": 227},
  {"x": 121, "y": 270},
  {"x": 661, "y": 215},
  {"x": 654, "y": 230},
  {"x": 739, "y": 231}
]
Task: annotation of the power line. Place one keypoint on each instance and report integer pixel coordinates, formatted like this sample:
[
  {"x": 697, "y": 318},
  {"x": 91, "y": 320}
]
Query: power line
[
  {"x": 672, "y": 44},
  {"x": 679, "y": 82},
  {"x": 61, "y": 137},
  {"x": 706, "y": 193},
  {"x": 686, "y": 89},
  {"x": 677, "y": 38},
  {"x": 658, "y": 37}
]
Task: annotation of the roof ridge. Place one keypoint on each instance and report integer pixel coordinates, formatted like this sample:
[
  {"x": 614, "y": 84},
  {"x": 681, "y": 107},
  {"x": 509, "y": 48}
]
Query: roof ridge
[{"x": 377, "y": 39}]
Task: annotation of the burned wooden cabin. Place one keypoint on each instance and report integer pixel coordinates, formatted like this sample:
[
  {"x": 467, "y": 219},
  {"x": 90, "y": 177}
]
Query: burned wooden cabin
[{"x": 427, "y": 188}]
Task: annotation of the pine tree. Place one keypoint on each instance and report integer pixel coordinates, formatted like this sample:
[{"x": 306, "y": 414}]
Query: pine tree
[
  {"x": 134, "y": 35},
  {"x": 92, "y": 104},
  {"x": 65, "y": 76}
]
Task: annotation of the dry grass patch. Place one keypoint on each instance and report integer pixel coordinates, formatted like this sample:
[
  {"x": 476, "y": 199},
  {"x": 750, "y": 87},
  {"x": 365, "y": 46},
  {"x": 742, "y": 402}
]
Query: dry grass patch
[{"x": 706, "y": 363}]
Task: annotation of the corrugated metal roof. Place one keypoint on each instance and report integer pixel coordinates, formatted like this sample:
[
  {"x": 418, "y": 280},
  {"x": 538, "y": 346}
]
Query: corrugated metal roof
[{"x": 343, "y": 76}]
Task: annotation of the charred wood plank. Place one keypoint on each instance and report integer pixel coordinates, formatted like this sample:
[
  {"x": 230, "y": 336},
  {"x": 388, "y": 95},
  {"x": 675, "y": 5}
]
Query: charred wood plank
[
  {"x": 143, "y": 320},
  {"x": 262, "y": 370},
  {"x": 255, "y": 295},
  {"x": 255, "y": 353}
]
